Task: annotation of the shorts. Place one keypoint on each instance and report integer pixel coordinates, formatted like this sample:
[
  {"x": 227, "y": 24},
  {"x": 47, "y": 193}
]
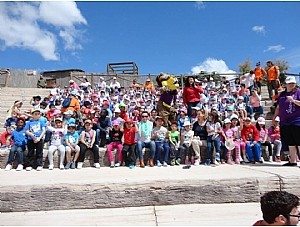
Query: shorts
[{"x": 290, "y": 134}]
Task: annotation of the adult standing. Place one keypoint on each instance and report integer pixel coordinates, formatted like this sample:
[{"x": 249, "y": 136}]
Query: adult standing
[
  {"x": 191, "y": 94},
  {"x": 41, "y": 83},
  {"x": 272, "y": 78},
  {"x": 248, "y": 80},
  {"x": 74, "y": 103},
  {"x": 288, "y": 110},
  {"x": 259, "y": 73}
]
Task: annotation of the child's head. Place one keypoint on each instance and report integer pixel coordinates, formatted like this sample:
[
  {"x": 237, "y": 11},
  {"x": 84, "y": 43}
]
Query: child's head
[
  {"x": 52, "y": 107},
  {"x": 247, "y": 121},
  {"x": 261, "y": 122},
  {"x": 71, "y": 127},
  {"x": 276, "y": 121},
  {"x": 115, "y": 124},
  {"x": 14, "y": 114},
  {"x": 234, "y": 120},
  {"x": 36, "y": 114},
  {"x": 88, "y": 124},
  {"x": 159, "y": 121},
  {"x": 182, "y": 112},
  {"x": 58, "y": 122},
  {"x": 128, "y": 123},
  {"x": 68, "y": 114},
  {"x": 227, "y": 123},
  {"x": 20, "y": 122},
  {"x": 187, "y": 125},
  {"x": 240, "y": 99},
  {"x": 174, "y": 125}
]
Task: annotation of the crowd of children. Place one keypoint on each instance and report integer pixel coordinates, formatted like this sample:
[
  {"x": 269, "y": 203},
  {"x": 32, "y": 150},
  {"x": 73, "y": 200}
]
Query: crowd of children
[{"x": 77, "y": 118}]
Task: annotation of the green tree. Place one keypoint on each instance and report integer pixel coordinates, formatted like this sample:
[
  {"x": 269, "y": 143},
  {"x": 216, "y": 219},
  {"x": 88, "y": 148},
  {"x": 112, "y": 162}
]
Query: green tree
[{"x": 245, "y": 66}]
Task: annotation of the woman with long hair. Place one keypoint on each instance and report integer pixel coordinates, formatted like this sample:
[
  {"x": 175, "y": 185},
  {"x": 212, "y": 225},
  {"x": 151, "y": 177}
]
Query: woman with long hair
[{"x": 191, "y": 94}]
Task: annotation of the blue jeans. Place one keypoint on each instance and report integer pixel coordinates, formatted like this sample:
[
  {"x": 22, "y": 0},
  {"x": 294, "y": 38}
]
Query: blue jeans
[
  {"x": 159, "y": 145},
  {"x": 19, "y": 150},
  {"x": 190, "y": 105},
  {"x": 255, "y": 149},
  {"x": 210, "y": 143},
  {"x": 259, "y": 109},
  {"x": 150, "y": 144}
]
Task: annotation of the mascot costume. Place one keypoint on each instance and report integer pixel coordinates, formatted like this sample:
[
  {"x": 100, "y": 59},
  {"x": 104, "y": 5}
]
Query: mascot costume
[{"x": 166, "y": 107}]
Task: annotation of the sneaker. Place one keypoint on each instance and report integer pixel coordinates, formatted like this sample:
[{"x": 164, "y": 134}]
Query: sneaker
[
  {"x": 237, "y": 161},
  {"x": 197, "y": 162},
  {"x": 68, "y": 165},
  {"x": 165, "y": 164},
  {"x": 79, "y": 165},
  {"x": 229, "y": 162},
  {"x": 277, "y": 159},
  {"x": 172, "y": 162},
  {"x": 8, "y": 167},
  {"x": 61, "y": 167},
  {"x": 50, "y": 167},
  {"x": 207, "y": 162},
  {"x": 262, "y": 160},
  {"x": 131, "y": 166},
  {"x": 270, "y": 159},
  {"x": 29, "y": 168},
  {"x": 218, "y": 157},
  {"x": 39, "y": 168},
  {"x": 73, "y": 165},
  {"x": 246, "y": 159},
  {"x": 112, "y": 164},
  {"x": 216, "y": 163},
  {"x": 178, "y": 161},
  {"x": 97, "y": 165},
  {"x": 290, "y": 164},
  {"x": 19, "y": 167},
  {"x": 158, "y": 163},
  {"x": 117, "y": 164}
]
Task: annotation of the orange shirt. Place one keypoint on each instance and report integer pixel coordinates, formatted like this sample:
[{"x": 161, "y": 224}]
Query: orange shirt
[
  {"x": 74, "y": 105},
  {"x": 272, "y": 73},
  {"x": 259, "y": 73},
  {"x": 148, "y": 85}
]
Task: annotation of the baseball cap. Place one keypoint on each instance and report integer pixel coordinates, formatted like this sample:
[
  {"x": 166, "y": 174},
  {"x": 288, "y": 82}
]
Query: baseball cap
[
  {"x": 290, "y": 79},
  {"x": 105, "y": 103},
  {"x": 129, "y": 121},
  {"x": 21, "y": 119},
  {"x": 261, "y": 121},
  {"x": 88, "y": 122},
  {"x": 35, "y": 110},
  {"x": 122, "y": 105},
  {"x": 69, "y": 112},
  {"x": 117, "y": 110},
  {"x": 186, "y": 123},
  {"x": 227, "y": 121},
  {"x": 234, "y": 116},
  {"x": 71, "y": 81},
  {"x": 58, "y": 119},
  {"x": 72, "y": 125}
]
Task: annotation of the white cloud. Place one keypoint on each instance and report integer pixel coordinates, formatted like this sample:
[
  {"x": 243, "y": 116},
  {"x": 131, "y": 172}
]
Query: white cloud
[
  {"x": 199, "y": 5},
  {"x": 27, "y": 26},
  {"x": 259, "y": 29},
  {"x": 275, "y": 49},
  {"x": 212, "y": 65}
]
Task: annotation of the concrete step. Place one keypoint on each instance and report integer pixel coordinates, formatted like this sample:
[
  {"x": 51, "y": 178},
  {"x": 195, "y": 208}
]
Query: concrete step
[{"x": 91, "y": 188}]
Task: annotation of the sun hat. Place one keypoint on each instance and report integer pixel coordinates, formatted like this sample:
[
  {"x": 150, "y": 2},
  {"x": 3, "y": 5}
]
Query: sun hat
[
  {"x": 58, "y": 119},
  {"x": 229, "y": 144},
  {"x": 35, "y": 110},
  {"x": 277, "y": 118},
  {"x": 115, "y": 123},
  {"x": 234, "y": 116},
  {"x": 261, "y": 121},
  {"x": 117, "y": 110}
]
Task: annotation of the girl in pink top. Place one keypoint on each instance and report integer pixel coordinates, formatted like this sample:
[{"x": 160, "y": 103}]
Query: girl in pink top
[
  {"x": 263, "y": 136},
  {"x": 229, "y": 134}
]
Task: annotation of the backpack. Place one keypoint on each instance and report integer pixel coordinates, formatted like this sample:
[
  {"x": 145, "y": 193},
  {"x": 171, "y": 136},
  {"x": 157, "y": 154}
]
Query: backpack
[{"x": 66, "y": 103}]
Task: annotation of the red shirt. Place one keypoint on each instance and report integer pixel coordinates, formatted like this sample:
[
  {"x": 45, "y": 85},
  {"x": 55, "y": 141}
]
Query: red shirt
[
  {"x": 124, "y": 115},
  {"x": 250, "y": 133},
  {"x": 191, "y": 94},
  {"x": 129, "y": 135}
]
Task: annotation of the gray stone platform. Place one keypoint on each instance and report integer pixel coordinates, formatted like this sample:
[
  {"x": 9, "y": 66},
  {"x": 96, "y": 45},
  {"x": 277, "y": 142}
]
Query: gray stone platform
[{"x": 91, "y": 188}]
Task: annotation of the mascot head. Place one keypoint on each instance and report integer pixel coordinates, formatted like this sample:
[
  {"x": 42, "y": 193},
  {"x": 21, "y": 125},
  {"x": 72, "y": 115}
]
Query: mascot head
[{"x": 167, "y": 82}]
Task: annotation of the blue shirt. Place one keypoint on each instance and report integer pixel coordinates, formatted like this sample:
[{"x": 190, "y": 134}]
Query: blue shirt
[
  {"x": 35, "y": 127},
  {"x": 72, "y": 137},
  {"x": 19, "y": 136}
]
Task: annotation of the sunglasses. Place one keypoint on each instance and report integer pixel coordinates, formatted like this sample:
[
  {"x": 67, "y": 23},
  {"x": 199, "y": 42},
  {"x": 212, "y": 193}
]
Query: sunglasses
[{"x": 145, "y": 116}]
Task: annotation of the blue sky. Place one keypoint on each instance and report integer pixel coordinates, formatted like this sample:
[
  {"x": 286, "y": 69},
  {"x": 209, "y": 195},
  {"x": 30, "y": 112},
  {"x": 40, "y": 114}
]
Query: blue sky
[{"x": 174, "y": 37}]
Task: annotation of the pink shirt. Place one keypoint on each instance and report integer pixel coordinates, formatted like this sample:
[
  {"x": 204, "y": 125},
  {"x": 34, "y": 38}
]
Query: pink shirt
[{"x": 262, "y": 134}]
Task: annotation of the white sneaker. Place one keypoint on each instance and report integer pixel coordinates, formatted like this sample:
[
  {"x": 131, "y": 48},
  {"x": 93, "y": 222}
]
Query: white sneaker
[
  {"x": 262, "y": 160},
  {"x": 112, "y": 164},
  {"x": 158, "y": 163},
  {"x": 61, "y": 166},
  {"x": 97, "y": 165},
  {"x": 165, "y": 164},
  {"x": 8, "y": 167},
  {"x": 40, "y": 168},
  {"x": 246, "y": 159},
  {"x": 197, "y": 162},
  {"x": 50, "y": 167},
  {"x": 29, "y": 168},
  {"x": 270, "y": 159},
  {"x": 19, "y": 167},
  {"x": 117, "y": 164},
  {"x": 79, "y": 165}
]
